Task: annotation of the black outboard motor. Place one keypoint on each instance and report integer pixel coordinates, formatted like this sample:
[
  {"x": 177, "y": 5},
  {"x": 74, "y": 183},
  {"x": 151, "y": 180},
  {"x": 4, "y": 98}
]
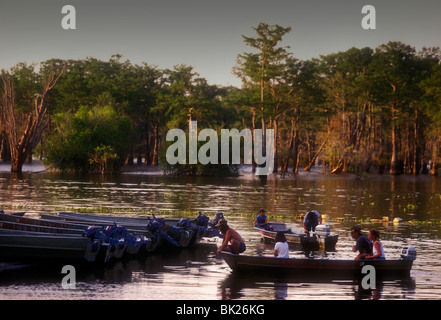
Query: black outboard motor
[
  {"x": 218, "y": 217},
  {"x": 202, "y": 220}
]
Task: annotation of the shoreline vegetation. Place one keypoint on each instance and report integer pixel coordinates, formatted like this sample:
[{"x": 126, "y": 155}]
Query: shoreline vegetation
[
  {"x": 137, "y": 212},
  {"x": 37, "y": 166},
  {"x": 360, "y": 111}
]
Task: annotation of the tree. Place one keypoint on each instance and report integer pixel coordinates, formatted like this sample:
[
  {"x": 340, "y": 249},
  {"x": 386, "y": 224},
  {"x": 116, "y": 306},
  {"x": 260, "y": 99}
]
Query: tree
[
  {"x": 91, "y": 140},
  {"x": 431, "y": 98},
  {"x": 23, "y": 141},
  {"x": 393, "y": 74},
  {"x": 344, "y": 82},
  {"x": 265, "y": 71}
]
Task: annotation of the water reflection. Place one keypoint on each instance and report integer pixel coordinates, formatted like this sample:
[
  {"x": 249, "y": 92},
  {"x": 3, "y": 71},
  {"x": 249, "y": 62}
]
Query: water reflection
[
  {"x": 338, "y": 197},
  {"x": 237, "y": 286},
  {"x": 200, "y": 274}
]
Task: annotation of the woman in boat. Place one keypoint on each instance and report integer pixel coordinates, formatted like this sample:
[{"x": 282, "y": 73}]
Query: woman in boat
[
  {"x": 261, "y": 221},
  {"x": 377, "y": 249},
  {"x": 281, "y": 248},
  {"x": 237, "y": 243}
]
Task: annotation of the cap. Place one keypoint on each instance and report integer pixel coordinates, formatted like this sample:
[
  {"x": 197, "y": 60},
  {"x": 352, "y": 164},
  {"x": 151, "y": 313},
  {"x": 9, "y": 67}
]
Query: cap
[{"x": 222, "y": 222}]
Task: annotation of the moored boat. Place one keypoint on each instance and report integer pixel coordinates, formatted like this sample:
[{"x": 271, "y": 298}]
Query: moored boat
[
  {"x": 339, "y": 268},
  {"x": 180, "y": 233},
  {"x": 18, "y": 214},
  {"x": 26, "y": 245},
  {"x": 319, "y": 240},
  {"x": 111, "y": 248}
]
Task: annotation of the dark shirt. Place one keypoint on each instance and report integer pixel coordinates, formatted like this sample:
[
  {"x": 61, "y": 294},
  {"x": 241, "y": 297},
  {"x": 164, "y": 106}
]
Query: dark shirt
[
  {"x": 261, "y": 219},
  {"x": 364, "y": 245}
]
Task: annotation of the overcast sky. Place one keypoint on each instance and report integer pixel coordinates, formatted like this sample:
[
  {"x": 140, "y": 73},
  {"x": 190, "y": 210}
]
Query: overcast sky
[{"x": 205, "y": 34}]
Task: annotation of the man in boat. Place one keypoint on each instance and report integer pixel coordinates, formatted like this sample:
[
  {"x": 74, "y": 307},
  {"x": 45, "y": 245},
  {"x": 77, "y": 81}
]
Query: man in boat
[
  {"x": 311, "y": 220},
  {"x": 363, "y": 245},
  {"x": 261, "y": 221},
  {"x": 237, "y": 243}
]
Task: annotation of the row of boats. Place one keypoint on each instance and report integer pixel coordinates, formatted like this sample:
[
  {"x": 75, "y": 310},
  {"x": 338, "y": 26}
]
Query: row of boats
[
  {"x": 95, "y": 238},
  {"x": 100, "y": 238}
]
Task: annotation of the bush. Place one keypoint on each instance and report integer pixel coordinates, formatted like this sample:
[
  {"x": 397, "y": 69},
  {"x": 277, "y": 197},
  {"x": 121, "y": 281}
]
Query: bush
[{"x": 93, "y": 140}]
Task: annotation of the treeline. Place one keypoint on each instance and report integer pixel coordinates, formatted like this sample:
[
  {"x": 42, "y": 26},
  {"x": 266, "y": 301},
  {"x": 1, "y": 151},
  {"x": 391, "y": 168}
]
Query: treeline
[{"x": 361, "y": 110}]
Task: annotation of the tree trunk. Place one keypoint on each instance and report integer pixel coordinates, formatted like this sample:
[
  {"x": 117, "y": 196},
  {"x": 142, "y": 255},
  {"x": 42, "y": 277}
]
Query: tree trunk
[
  {"x": 155, "y": 145},
  {"x": 294, "y": 146},
  {"x": 433, "y": 171},
  {"x": 311, "y": 162},
  {"x": 36, "y": 123},
  {"x": 17, "y": 163},
  {"x": 394, "y": 163},
  {"x": 276, "y": 138},
  {"x": 416, "y": 147}
]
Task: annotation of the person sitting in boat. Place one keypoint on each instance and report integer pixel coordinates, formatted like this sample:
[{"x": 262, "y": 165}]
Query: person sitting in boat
[
  {"x": 281, "y": 248},
  {"x": 363, "y": 245},
  {"x": 237, "y": 243},
  {"x": 311, "y": 220},
  {"x": 377, "y": 249},
  {"x": 261, "y": 221}
]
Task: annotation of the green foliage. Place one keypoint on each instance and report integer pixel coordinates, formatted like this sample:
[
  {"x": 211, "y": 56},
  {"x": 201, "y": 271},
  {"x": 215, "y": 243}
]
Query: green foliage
[
  {"x": 349, "y": 110},
  {"x": 92, "y": 140}
]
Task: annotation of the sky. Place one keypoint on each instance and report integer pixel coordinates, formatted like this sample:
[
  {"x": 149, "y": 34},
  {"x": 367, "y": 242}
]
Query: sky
[{"x": 205, "y": 34}]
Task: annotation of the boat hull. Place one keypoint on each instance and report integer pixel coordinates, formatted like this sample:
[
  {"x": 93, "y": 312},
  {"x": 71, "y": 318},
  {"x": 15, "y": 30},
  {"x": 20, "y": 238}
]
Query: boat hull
[
  {"x": 323, "y": 267},
  {"x": 25, "y": 245}
]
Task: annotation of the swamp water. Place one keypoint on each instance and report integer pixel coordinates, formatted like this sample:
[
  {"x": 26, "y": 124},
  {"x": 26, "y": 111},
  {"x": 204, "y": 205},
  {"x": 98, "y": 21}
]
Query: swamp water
[{"x": 198, "y": 273}]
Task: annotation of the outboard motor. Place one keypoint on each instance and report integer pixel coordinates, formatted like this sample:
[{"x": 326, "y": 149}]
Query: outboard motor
[
  {"x": 184, "y": 223},
  {"x": 323, "y": 230},
  {"x": 202, "y": 220},
  {"x": 408, "y": 253},
  {"x": 216, "y": 219}
]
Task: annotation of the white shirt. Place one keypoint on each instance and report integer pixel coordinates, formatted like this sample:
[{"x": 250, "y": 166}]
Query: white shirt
[
  {"x": 374, "y": 250},
  {"x": 282, "y": 249}
]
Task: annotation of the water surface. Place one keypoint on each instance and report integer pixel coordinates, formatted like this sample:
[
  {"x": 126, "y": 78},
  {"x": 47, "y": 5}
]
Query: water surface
[{"x": 197, "y": 273}]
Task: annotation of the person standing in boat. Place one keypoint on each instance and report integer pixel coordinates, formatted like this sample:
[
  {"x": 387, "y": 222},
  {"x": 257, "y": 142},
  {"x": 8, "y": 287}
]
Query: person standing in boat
[
  {"x": 363, "y": 245},
  {"x": 237, "y": 243},
  {"x": 311, "y": 220},
  {"x": 377, "y": 249},
  {"x": 261, "y": 221},
  {"x": 281, "y": 248}
]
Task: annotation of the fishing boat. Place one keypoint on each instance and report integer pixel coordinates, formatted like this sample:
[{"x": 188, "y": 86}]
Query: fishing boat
[
  {"x": 18, "y": 214},
  {"x": 146, "y": 230},
  {"x": 180, "y": 233},
  {"x": 28, "y": 245},
  {"x": 134, "y": 242},
  {"x": 17, "y": 226},
  {"x": 321, "y": 239},
  {"x": 110, "y": 248},
  {"x": 339, "y": 268},
  {"x": 126, "y": 220}
]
